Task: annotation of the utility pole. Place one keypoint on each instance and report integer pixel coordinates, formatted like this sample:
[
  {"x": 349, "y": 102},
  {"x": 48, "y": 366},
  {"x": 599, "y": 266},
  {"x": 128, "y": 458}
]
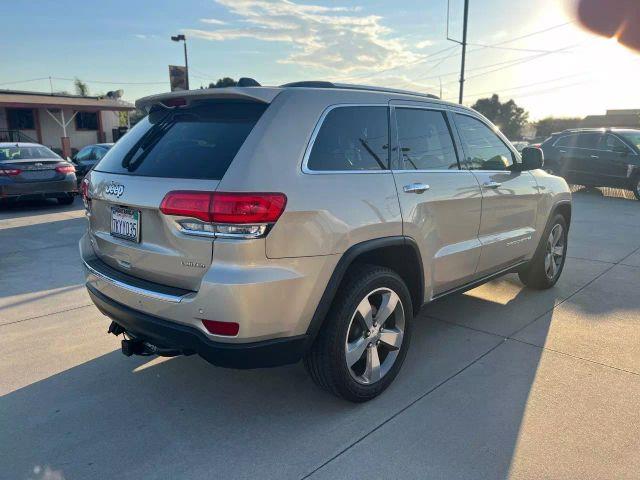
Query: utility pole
[
  {"x": 464, "y": 49},
  {"x": 178, "y": 38}
]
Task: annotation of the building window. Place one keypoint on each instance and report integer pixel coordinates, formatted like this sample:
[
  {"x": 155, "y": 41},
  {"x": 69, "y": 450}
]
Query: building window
[
  {"x": 21, "y": 119},
  {"x": 87, "y": 121}
]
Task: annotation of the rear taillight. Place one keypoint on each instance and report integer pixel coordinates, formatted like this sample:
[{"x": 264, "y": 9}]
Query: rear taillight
[
  {"x": 65, "y": 169},
  {"x": 231, "y": 214},
  {"x": 12, "y": 172},
  {"x": 229, "y": 329}
]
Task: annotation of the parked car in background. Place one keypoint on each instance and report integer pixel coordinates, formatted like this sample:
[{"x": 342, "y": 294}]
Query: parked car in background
[
  {"x": 31, "y": 171},
  {"x": 595, "y": 157},
  {"x": 86, "y": 158},
  {"x": 520, "y": 145},
  {"x": 309, "y": 221}
]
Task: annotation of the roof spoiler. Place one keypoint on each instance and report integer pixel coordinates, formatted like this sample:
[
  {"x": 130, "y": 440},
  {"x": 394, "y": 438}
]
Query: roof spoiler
[{"x": 172, "y": 99}]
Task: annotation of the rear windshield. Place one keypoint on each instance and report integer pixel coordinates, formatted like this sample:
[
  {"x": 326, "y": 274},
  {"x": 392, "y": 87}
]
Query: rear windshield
[
  {"x": 26, "y": 153},
  {"x": 197, "y": 142}
]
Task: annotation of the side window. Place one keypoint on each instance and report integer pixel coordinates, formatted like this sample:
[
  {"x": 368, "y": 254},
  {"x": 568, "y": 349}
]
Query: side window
[
  {"x": 84, "y": 154},
  {"x": 483, "y": 149},
  {"x": 588, "y": 140},
  {"x": 568, "y": 141},
  {"x": 352, "y": 139},
  {"x": 424, "y": 140},
  {"x": 86, "y": 120},
  {"x": 98, "y": 153},
  {"x": 613, "y": 144}
]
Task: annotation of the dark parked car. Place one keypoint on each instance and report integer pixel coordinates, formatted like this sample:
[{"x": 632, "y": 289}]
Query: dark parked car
[
  {"x": 29, "y": 170},
  {"x": 596, "y": 157},
  {"x": 87, "y": 158}
]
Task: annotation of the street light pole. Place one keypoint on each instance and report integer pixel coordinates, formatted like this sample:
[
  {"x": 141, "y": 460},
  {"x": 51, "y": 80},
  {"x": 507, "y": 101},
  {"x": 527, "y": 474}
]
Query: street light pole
[
  {"x": 186, "y": 63},
  {"x": 178, "y": 38},
  {"x": 464, "y": 49}
]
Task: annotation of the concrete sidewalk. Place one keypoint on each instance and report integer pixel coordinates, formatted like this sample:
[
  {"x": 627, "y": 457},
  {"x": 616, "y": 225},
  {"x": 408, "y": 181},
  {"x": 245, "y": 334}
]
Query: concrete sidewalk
[{"x": 500, "y": 381}]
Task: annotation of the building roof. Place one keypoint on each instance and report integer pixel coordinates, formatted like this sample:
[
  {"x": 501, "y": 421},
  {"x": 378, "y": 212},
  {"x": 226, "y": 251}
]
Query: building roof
[{"x": 20, "y": 99}]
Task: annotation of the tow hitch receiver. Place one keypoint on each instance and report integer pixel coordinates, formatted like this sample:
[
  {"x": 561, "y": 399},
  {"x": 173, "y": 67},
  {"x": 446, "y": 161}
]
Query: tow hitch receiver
[{"x": 136, "y": 346}]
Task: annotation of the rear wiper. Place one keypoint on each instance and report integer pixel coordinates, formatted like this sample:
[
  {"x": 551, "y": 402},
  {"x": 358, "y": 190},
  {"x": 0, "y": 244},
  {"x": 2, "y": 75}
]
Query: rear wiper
[{"x": 146, "y": 143}]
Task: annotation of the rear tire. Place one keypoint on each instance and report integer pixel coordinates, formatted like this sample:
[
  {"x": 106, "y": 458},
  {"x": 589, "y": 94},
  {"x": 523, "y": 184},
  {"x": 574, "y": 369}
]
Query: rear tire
[
  {"x": 545, "y": 268},
  {"x": 68, "y": 200},
  {"x": 365, "y": 336},
  {"x": 636, "y": 187}
]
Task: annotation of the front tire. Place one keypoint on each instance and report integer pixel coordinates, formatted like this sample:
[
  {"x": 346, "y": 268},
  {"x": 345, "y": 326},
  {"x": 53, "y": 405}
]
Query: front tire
[
  {"x": 365, "y": 337},
  {"x": 544, "y": 269}
]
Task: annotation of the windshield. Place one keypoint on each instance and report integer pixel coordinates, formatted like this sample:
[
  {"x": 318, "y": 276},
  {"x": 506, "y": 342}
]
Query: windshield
[
  {"x": 633, "y": 137},
  {"x": 195, "y": 142},
  {"x": 26, "y": 153}
]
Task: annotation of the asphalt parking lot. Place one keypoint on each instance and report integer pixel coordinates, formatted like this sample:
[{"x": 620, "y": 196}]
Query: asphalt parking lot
[{"x": 500, "y": 382}]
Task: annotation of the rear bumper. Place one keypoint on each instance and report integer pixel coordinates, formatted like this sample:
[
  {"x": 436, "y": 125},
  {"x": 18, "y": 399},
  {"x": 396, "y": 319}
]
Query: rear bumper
[
  {"x": 54, "y": 189},
  {"x": 164, "y": 333}
]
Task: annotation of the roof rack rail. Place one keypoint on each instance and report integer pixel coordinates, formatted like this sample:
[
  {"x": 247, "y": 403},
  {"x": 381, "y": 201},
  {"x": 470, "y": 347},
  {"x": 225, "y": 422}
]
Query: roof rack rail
[{"x": 348, "y": 86}]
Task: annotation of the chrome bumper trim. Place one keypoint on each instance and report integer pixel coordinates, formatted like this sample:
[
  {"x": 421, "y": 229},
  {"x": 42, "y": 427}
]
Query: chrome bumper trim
[{"x": 131, "y": 288}]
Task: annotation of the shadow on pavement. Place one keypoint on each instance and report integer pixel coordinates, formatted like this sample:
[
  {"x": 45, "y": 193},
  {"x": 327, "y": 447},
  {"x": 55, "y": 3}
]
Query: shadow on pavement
[{"x": 114, "y": 417}]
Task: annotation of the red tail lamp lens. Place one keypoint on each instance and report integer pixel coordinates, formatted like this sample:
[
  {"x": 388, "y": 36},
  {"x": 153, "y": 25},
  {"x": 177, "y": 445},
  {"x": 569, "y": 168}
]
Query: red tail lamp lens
[
  {"x": 187, "y": 204},
  {"x": 229, "y": 329},
  {"x": 12, "y": 172},
  {"x": 221, "y": 207},
  {"x": 65, "y": 169},
  {"x": 247, "y": 207}
]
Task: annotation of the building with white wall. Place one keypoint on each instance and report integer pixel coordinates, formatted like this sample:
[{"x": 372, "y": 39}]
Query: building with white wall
[{"x": 59, "y": 121}]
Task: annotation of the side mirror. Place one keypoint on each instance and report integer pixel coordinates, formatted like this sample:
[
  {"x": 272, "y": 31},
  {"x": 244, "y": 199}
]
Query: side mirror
[{"x": 532, "y": 158}]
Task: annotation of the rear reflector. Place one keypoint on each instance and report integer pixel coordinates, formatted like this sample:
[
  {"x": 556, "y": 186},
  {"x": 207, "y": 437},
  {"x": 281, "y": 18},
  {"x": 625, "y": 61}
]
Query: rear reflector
[
  {"x": 65, "y": 169},
  {"x": 224, "y": 207},
  {"x": 230, "y": 329},
  {"x": 12, "y": 172}
]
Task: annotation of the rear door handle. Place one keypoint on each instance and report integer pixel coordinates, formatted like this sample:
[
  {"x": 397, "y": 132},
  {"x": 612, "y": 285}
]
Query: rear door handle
[
  {"x": 491, "y": 185},
  {"x": 595, "y": 156},
  {"x": 415, "y": 188}
]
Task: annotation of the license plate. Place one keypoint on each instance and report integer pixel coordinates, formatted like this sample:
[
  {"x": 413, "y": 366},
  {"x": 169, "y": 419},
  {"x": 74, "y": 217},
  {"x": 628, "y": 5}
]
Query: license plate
[
  {"x": 125, "y": 223},
  {"x": 38, "y": 174}
]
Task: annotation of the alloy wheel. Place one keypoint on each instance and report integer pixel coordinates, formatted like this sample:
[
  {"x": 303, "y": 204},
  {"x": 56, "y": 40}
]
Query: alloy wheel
[
  {"x": 375, "y": 336},
  {"x": 555, "y": 251}
]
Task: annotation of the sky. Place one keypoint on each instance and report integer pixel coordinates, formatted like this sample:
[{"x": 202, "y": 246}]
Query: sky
[{"x": 532, "y": 52}]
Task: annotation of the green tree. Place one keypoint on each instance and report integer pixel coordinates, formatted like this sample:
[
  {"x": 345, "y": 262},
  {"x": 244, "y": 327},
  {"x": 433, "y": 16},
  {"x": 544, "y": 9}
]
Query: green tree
[
  {"x": 224, "y": 82},
  {"x": 82, "y": 88},
  {"x": 508, "y": 116},
  {"x": 549, "y": 125}
]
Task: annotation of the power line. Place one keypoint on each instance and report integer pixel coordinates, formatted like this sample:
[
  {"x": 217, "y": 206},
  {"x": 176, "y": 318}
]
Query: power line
[
  {"x": 424, "y": 59},
  {"x": 520, "y": 61},
  {"x": 515, "y": 49},
  {"x": 478, "y": 94},
  {"x": 111, "y": 82},
  {"x": 25, "y": 81}
]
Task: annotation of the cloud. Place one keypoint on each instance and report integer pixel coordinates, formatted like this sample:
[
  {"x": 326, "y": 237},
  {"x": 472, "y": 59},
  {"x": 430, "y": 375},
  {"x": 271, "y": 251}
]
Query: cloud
[
  {"x": 341, "y": 39},
  {"x": 212, "y": 21},
  {"x": 424, "y": 44},
  {"x": 140, "y": 35}
]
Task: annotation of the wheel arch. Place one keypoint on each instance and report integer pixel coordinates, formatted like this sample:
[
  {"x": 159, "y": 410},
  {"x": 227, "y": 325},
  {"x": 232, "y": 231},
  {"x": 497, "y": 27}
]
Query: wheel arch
[
  {"x": 399, "y": 253},
  {"x": 564, "y": 209}
]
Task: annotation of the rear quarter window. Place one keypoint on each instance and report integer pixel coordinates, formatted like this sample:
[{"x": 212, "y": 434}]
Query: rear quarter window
[
  {"x": 198, "y": 142},
  {"x": 352, "y": 139}
]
